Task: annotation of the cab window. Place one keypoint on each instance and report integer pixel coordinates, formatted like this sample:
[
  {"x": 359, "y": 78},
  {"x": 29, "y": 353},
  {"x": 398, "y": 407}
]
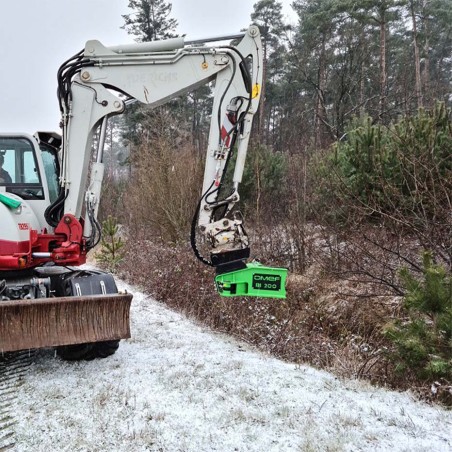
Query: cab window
[{"x": 18, "y": 168}]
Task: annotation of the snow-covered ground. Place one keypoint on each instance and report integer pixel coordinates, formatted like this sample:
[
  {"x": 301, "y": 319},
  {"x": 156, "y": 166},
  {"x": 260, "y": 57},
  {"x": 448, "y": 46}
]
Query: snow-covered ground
[{"x": 179, "y": 387}]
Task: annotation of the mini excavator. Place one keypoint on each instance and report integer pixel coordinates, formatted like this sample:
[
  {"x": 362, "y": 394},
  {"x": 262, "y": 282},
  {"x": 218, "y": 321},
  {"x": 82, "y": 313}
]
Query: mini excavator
[{"x": 50, "y": 187}]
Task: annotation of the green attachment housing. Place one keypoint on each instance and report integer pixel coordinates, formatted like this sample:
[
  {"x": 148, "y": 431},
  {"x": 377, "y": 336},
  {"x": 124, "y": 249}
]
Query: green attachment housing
[{"x": 253, "y": 281}]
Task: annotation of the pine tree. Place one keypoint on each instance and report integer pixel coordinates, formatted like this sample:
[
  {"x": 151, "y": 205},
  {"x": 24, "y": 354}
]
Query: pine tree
[
  {"x": 111, "y": 253},
  {"x": 267, "y": 15},
  {"x": 423, "y": 344},
  {"x": 435, "y": 33},
  {"x": 150, "y": 20}
]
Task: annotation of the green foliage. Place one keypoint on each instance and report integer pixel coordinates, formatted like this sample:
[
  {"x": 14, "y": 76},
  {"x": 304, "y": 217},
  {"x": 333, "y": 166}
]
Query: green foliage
[
  {"x": 267, "y": 15},
  {"x": 404, "y": 169},
  {"x": 111, "y": 253},
  {"x": 364, "y": 161},
  {"x": 423, "y": 343}
]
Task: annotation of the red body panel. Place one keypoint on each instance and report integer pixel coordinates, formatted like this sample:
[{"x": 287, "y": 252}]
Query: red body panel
[{"x": 66, "y": 247}]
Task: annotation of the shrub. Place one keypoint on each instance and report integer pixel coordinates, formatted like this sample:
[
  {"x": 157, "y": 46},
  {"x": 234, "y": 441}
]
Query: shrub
[
  {"x": 164, "y": 188},
  {"x": 404, "y": 168},
  {"x": 423, "y": 342},
  {"x": 384, "y": 193},
  {"x": 111, "y": 253},
  {"x": 264, "y": 182}
]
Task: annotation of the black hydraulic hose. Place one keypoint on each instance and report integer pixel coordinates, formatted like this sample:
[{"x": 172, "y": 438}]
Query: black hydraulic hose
[
  {"x": 234, "y": 70},
  {"x": 65, "y": 74},
  {"x": 54, "y": 211},
  {"x": 248, "y": 83},
  {"x": 99, "y": 232},
  {"x": 193, "y": 229},
  {"x": 61, "y": 74},
  {"x": 71, "y": 72},
  {"x": 228, "y": 158},
  {"x": 96, "y": 232},
  {"x": 245, "y": 72}
]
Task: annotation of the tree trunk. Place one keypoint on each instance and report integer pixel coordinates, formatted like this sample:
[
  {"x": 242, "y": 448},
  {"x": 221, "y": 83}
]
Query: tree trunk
[
  {"x": 417, "y": 61},
  {"x": 261, "y": 111},
  {"x": 319, "y": 107},
  {"x": 383, "y": 71},
  {"x": 426, "y": 68}
]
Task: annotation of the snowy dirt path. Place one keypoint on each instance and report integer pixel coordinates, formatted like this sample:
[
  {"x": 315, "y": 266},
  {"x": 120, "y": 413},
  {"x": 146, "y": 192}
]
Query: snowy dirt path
[{"x": 178, "y": 387}]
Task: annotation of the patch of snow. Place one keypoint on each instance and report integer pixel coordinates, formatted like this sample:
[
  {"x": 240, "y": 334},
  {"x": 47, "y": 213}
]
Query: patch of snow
[{"x": 176, "y": 386}]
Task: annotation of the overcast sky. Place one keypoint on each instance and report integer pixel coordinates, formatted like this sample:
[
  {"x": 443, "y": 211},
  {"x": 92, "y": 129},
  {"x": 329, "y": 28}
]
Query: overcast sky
[{"x": 37, "y": 36}]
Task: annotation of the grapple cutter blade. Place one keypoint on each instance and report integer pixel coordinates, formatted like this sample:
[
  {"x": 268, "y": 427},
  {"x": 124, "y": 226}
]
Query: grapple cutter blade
[{"x": 48, "y": 322}]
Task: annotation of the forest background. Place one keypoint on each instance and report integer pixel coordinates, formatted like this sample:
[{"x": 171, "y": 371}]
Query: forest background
[{"x": 348, "y": 184}]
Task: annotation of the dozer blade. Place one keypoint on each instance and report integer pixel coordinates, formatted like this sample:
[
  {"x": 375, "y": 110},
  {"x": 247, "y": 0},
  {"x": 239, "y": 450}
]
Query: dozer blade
[{"x": 48, "y": 322}]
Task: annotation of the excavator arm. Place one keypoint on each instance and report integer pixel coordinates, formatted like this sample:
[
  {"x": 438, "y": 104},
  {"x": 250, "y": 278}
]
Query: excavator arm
[{"x": 100, "y": 81}]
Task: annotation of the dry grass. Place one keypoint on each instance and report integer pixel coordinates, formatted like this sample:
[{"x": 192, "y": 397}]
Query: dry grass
[{"x": 327, "y": 323}]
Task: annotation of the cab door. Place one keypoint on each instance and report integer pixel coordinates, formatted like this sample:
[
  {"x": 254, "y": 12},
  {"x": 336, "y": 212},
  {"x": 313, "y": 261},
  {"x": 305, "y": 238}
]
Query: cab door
[{"x": 26, "y": 176}]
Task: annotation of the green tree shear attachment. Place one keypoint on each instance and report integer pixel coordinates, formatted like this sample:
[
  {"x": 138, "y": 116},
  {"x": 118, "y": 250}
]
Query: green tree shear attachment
[{"x": 253, "y": 281}]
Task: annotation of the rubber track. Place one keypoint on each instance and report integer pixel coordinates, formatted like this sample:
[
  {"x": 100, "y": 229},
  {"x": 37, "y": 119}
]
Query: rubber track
[{"x": 13, "y": 369}]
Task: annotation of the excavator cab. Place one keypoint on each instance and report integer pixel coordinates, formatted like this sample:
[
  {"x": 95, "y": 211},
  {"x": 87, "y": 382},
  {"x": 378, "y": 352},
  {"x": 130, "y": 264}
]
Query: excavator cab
[
  {"x": 22, "y": 174},
  {"x": 19, "y": 173}
]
